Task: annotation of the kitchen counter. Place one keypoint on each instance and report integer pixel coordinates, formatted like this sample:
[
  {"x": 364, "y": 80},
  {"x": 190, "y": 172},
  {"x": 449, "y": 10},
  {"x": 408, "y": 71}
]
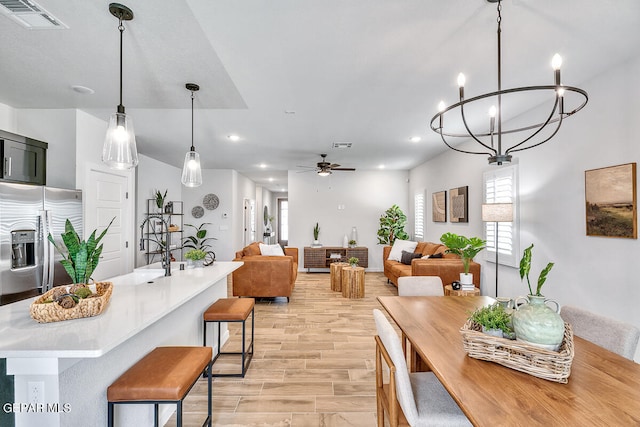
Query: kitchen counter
[{"x": 75, "y": 360}]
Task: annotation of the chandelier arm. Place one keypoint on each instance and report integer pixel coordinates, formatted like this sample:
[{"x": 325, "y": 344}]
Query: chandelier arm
[
  {"x": 471, "y": 134},
  {"x": 459, "y": 150},
  {"x": 539, "y": 129},
  {"x": 568, "y": 89},
  {"x": 514, "y": 149}
]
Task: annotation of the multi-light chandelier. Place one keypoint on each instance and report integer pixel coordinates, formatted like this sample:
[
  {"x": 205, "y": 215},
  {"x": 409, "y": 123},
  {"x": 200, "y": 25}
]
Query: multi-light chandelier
[{"x": 491, "y": 138}]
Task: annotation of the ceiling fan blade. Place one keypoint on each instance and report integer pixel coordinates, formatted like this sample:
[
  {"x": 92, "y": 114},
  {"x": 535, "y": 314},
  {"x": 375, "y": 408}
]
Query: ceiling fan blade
[
  {"x": 333, "y": 166},
  {"x": 343, "y": 169},
  {"x": 308, "y": 170}
]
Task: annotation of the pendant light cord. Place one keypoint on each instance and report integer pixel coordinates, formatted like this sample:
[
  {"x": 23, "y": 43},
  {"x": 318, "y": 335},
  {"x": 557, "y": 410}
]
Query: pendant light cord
[
  {"x": 121, "y": 29},
  {"x": 192, "y": 147}
]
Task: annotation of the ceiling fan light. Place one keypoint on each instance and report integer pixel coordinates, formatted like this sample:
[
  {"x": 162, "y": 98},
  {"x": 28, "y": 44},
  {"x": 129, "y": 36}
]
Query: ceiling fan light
[
  {"x": 191, "y": 171},
  {"x": 119, "y": 149},
  {"x": 324, "y": 172}
]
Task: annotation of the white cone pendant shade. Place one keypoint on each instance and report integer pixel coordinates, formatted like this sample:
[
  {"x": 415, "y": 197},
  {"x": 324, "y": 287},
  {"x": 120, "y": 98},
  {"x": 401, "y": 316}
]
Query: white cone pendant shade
[
  {"x": 119, "y": 150},
  {"x": 191, "y": 171}
]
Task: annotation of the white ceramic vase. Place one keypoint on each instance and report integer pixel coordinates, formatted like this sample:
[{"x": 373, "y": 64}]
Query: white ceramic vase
[{"x": 466, "y": 278}]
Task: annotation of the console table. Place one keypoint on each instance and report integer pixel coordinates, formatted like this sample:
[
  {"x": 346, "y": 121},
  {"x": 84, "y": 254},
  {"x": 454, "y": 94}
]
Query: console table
[{"x": 324, "y": 256}]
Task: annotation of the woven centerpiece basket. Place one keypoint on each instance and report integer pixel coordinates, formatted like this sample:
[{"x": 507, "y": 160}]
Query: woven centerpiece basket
[
  {"x": 45, "y": 312},
  {"x": 547, "y": 364}
]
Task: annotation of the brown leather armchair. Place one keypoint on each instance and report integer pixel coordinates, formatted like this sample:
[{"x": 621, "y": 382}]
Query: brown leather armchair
[{"x": 265, "y": 276}]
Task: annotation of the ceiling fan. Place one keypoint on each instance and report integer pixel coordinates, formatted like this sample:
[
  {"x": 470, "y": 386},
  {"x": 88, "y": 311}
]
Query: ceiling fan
[{"x": 325, "y": 168}]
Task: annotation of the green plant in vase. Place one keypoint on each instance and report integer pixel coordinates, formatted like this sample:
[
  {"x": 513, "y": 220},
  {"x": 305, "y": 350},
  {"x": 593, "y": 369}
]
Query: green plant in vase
[
  {"x": 493, "y": 317},
  {"x": 199, "y": 241},
  {"x": 160, "y": 199},
  {"x": 466, "y": 248},
  {"x": 353, "y": 261},
  {"x": 81, "y": 257},
  {"x": 392, "y": 226},
  {"x": 316, "y": 233},
  {"x": 195, "y": 255},
  {"x": 352, "y": 243}
]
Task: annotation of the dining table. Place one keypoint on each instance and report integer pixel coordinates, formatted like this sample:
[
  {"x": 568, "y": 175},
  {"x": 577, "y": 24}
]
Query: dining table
[{"x": 603, "y": 387}]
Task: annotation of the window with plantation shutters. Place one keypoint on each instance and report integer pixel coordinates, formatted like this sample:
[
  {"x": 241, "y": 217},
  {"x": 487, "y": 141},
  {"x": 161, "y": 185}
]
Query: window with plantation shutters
[
  {"x": 501, "y": 186},
  {"x": 418, "y": 214}
]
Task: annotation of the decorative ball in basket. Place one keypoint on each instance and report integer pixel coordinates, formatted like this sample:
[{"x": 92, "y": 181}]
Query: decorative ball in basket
[{"x": 79, "y": 299}]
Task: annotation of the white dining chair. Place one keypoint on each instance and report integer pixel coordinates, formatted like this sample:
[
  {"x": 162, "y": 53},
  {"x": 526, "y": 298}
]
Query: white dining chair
[
  {"x": 614, "y": 335},
  {"x": 414, "y": 399},
  {"x": 430, "y": 286}
]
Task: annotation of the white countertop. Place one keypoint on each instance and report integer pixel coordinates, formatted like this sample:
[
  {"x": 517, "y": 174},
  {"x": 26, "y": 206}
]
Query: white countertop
[{"x": 132, "y": 308}]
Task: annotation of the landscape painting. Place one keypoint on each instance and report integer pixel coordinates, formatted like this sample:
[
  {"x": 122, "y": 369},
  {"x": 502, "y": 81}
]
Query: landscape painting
[
  {"x": 611, "y": 205},
  {"x": 439, "y": 206}
]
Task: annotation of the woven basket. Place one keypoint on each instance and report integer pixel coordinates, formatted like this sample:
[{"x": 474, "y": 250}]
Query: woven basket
[
  {"x": 547, "y": 364},
  {"x": 86, "y": 307}
]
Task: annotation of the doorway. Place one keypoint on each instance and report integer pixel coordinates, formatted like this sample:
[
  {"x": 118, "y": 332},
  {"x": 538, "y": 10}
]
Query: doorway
[
  {"x": 283, "y": 222},
  {"x": 249, "y": 221}
]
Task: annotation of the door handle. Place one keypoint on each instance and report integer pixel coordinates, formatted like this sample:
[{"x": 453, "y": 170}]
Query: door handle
[{"x": 7, "y": 166}]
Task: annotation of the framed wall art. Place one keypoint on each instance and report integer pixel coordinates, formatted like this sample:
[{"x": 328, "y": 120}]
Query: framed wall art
[
  {"x": 439, "y": 206},
  {"x": 459, "y": 204},
  {"x": 611, "y": 201}
]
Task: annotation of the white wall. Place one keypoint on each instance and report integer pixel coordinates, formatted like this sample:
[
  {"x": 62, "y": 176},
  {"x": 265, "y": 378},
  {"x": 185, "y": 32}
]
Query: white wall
[
  {"x": 8, "y": 119},
  {"x": 152, "y": 175},
  {"x": 365, "y": 195},
  {"x": 595, "y": 273},
  {"x": 220, "y": 183},
  {"x": 58, "y": 129}
]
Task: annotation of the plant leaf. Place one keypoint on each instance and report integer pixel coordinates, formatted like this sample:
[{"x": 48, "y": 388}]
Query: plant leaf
[{"x": 543, "y": 277}]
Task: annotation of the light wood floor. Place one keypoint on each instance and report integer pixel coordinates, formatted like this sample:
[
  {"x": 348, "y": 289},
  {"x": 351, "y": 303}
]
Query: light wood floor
[{"x": 313, "y": 364}]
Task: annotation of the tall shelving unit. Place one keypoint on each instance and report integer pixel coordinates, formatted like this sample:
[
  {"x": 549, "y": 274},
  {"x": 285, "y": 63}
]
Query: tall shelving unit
[{"x": 155, "y": 231}]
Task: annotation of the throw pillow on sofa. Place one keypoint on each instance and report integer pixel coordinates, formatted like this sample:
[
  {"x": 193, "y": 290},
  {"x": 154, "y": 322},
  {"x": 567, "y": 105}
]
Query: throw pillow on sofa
[
  {"x": 399, "y": 246},
  {"x": 407, "y": 257},
  {"x": 273, "y": 250}
]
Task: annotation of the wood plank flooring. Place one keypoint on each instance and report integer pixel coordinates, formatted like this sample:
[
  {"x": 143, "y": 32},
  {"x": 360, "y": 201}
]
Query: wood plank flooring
[{"x": 313, "y": 363}]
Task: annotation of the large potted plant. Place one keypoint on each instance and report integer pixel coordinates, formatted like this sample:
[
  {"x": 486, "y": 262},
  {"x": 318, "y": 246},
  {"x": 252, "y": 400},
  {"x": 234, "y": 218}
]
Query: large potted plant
[
  {"x": 535, "y": 322},
  {"x": 81, "y": 257},
  {"x": 466, "y": 248},
  {"x": 316, "y": 233},
  {"x": 392, "y": 226}
]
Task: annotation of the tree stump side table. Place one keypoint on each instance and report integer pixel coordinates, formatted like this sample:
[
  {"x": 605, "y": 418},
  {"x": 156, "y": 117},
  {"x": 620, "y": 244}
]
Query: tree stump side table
[
  {"x": 449, "y": 291},
  {"x": 336, "y": 275},
  {"x": 353, "y": 282}
]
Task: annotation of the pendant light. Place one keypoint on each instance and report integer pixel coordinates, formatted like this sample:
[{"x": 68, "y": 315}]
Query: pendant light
[
  {"x": 119, "y": 150},
  {"x": 191, "y": 171}
]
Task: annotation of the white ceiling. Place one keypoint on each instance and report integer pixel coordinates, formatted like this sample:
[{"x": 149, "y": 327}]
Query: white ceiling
[{"x": 370, "y": 72}]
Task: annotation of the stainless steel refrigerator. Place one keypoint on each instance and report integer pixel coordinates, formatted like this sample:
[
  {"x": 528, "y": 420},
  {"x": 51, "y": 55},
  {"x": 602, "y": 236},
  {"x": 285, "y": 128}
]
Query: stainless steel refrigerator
[{"x": 29, "y": 264}]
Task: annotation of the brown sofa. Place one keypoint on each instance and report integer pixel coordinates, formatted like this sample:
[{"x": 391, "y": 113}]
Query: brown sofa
[
  {"x": 265, "y": 276},
  {"x": 448, "y": 268}
]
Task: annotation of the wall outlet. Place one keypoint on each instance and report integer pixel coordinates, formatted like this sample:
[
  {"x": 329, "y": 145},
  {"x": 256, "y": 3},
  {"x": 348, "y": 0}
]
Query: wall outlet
[{"x": 36, "y": 391}]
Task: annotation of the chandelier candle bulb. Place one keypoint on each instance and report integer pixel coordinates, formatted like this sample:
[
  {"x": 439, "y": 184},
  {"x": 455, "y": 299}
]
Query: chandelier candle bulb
[
  {"x": 461, "y": 81},
  {"x": 556, "y": 63}
]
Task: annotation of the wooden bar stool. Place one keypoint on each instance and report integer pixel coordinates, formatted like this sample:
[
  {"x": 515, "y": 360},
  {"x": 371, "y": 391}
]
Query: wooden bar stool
[
  {"x": 165, "y": 375},
  {"x": 231, "y": 310}
]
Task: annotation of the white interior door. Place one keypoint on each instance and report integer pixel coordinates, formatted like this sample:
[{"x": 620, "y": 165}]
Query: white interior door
[
  {"x": 249, "y": 221},
  {"x": 106, "y": 198}
]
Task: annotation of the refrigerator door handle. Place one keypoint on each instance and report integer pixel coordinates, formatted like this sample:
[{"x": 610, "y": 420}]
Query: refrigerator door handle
[{"x": 48, "y": 262}]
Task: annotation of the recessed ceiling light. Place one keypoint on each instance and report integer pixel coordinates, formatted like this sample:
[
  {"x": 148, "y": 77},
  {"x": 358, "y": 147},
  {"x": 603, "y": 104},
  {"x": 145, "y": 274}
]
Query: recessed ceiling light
[
  {"x": 380, "y": 166},
  {"x": 262, "y": 165},
  {"x": 234, "y": 138},
  {"x": 415, "y": 139},
  {"x": 83, "y": 90},
  {"x": 270, "y": 179}
]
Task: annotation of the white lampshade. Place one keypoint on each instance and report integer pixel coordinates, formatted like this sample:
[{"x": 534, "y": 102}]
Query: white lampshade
[
  {"x": 324, "y": 172},
  {"x": 119, "y": 150},
  {"x": 497, "y": 212},
  {"x": 191, "y": 171}
]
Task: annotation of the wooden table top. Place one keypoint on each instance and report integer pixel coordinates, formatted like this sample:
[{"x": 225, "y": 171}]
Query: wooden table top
[{"x": 603, "y": 388}]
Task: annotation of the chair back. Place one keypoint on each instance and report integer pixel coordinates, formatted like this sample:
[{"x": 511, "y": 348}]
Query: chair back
[
  {"x": 391, "y": 342},
  {"x": 614, "y": 335},
  {"x": 430, "y": 286}
]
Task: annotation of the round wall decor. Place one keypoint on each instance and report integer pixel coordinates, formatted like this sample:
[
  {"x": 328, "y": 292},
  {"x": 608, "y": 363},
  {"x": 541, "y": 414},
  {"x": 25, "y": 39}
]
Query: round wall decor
[
  {"x": 197, "y": 212},
  {"x": 210, "y": 201}
]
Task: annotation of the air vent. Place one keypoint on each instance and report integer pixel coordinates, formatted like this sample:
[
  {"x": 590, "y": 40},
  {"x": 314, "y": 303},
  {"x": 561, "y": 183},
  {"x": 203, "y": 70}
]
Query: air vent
[
  {"x": 341, "y": 145},
  {"x": 30, "y": 15}
]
